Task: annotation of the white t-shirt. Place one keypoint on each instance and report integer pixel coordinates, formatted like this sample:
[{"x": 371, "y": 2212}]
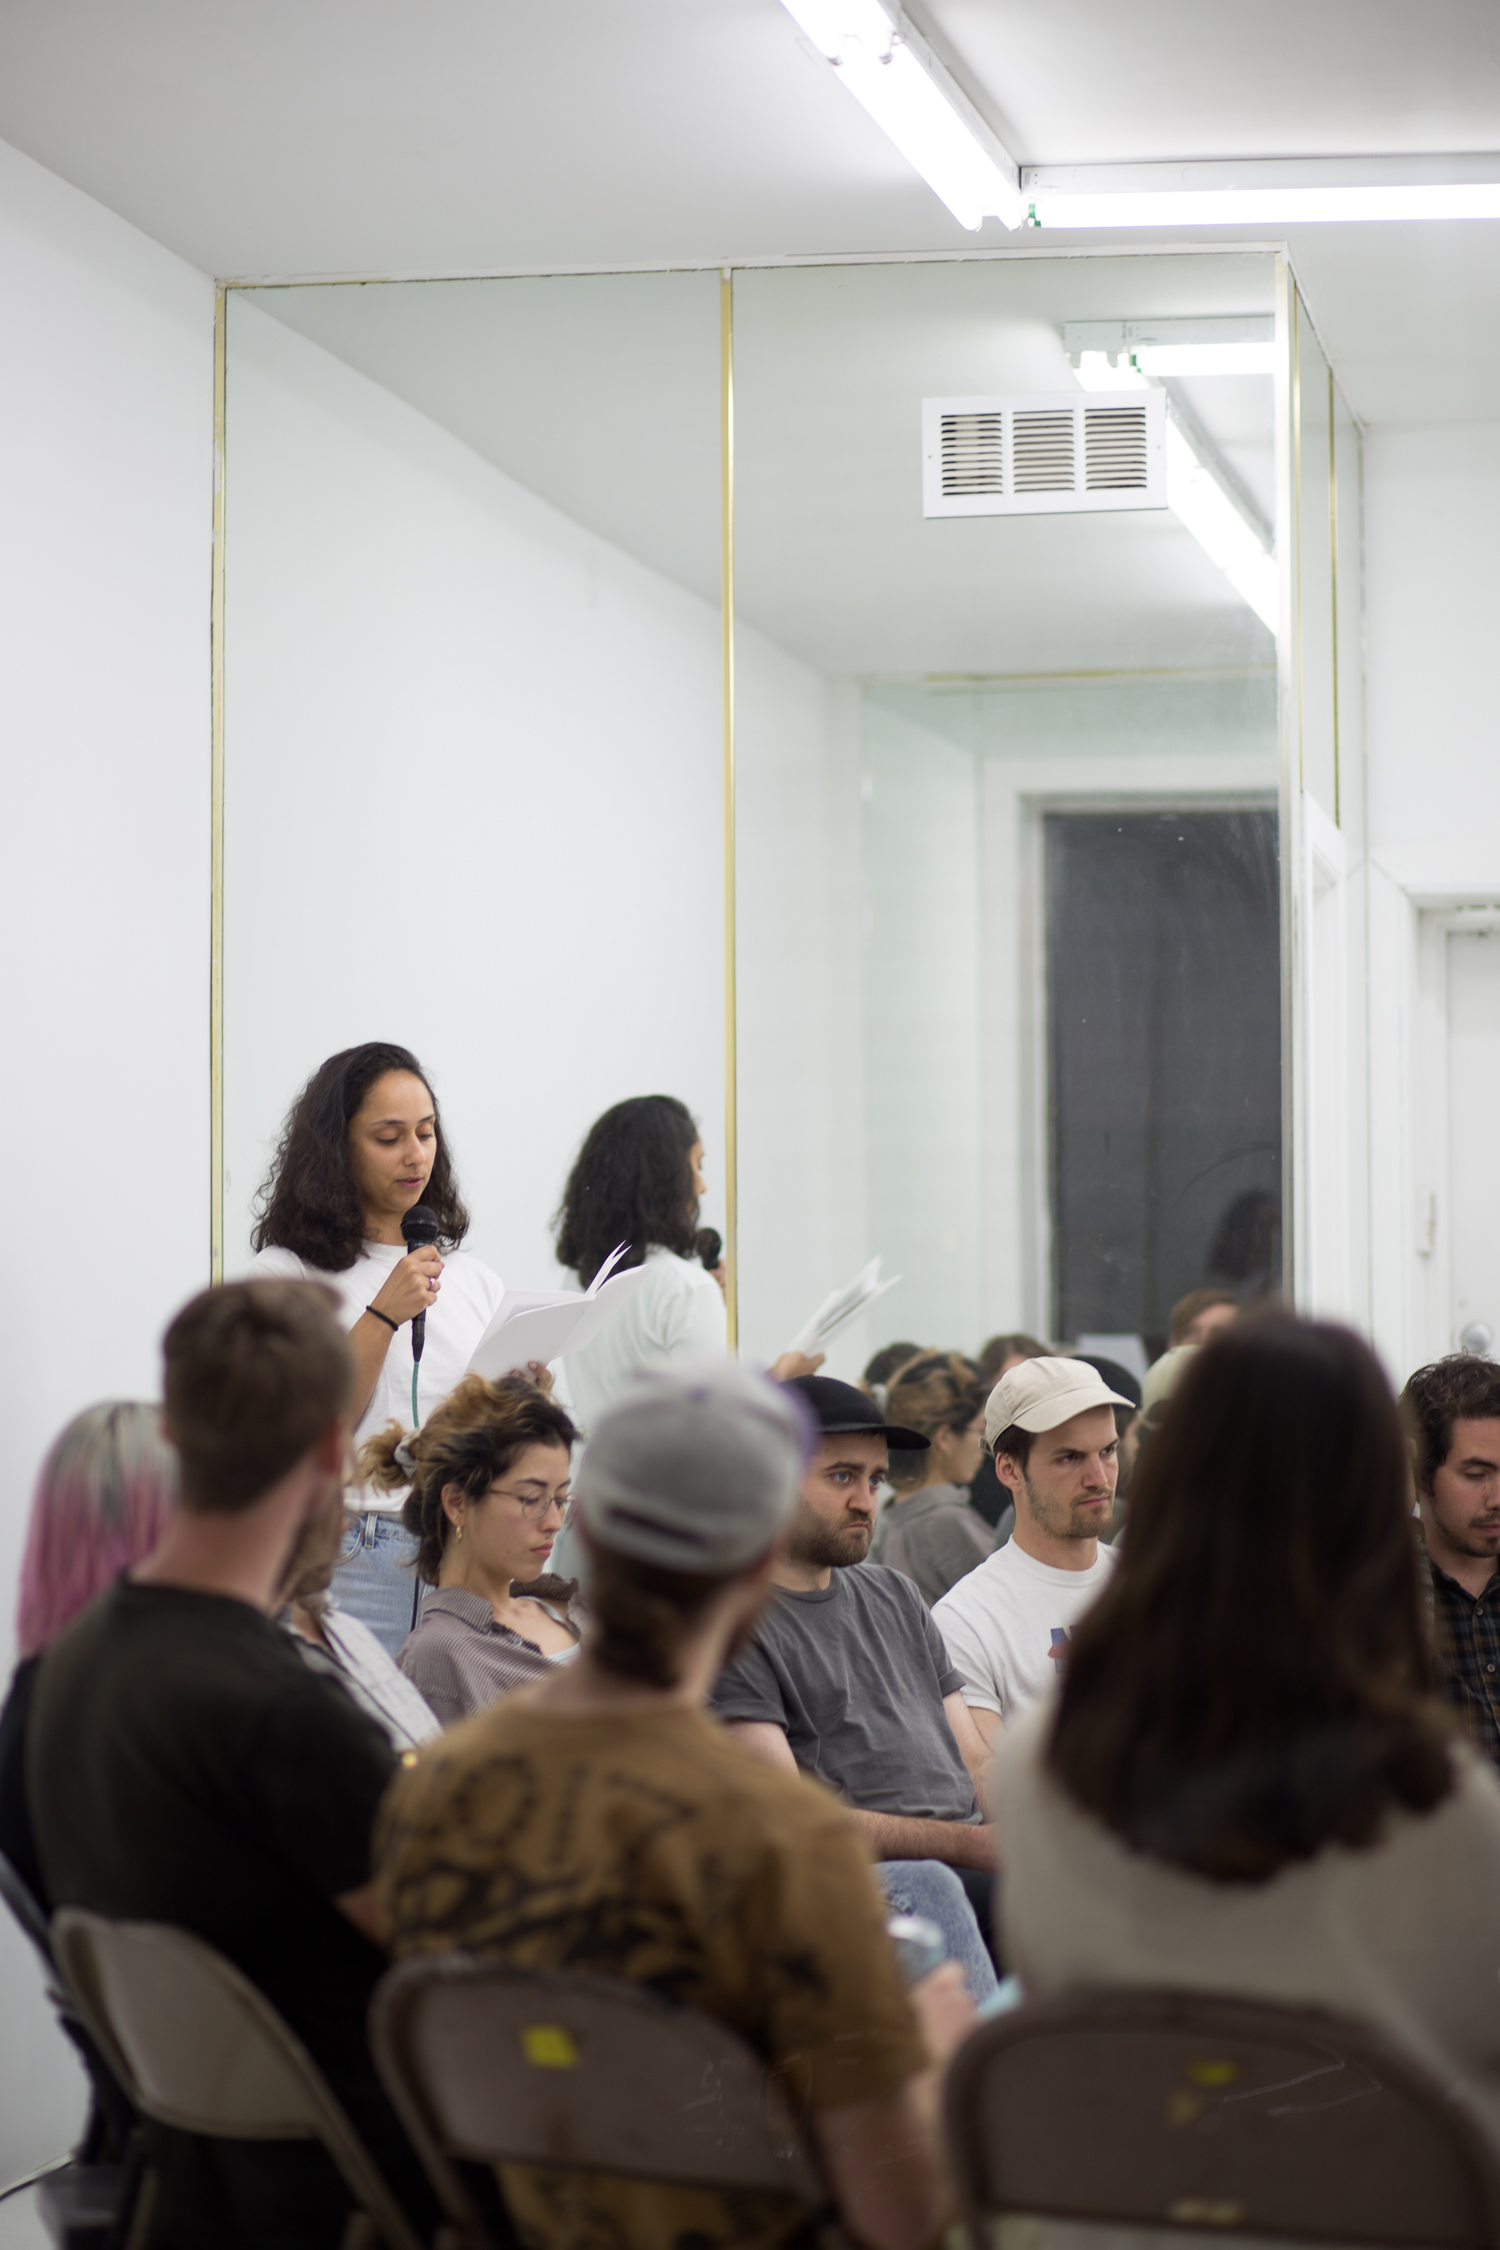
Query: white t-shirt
[
  {"x": 1007, "y": 1625},
  {"x": 465, "y": 1306},
  {"x": 677, "y": 1310},
  {"x": 1404, "y": 1935}
]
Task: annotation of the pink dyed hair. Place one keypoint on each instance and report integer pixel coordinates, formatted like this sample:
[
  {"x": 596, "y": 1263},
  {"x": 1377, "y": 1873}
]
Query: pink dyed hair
[{"x": 101, "y": 1503}]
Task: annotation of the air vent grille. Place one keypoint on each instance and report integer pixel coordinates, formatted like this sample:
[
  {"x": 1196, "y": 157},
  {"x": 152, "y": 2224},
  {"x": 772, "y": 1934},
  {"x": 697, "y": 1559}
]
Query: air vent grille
[
  {"x": 1044, "y": 451},
  {"x": 1116, "y": 450},
  {"x": 973, "y": 454},
  {"x": 1047, "y": 455}
]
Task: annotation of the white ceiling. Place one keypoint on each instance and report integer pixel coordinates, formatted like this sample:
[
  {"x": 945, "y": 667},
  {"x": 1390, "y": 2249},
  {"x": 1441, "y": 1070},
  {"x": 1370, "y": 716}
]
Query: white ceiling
[{"x": 375, "y": 136}]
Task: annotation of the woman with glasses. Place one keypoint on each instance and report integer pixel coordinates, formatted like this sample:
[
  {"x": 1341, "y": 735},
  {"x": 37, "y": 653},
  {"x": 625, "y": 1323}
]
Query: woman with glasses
[{"x": 486, "y": 1479}]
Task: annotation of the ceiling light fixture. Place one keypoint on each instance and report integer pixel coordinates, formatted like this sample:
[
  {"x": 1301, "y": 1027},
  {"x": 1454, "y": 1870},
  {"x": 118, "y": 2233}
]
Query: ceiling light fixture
[
  {"x": 1118, "y": 355},
  {"x": 1315, "y": 191},
  {"x": 894, "y": 75},
  {"x": 1145, "y": 355},
  {"x": 1203, "y": 507}
]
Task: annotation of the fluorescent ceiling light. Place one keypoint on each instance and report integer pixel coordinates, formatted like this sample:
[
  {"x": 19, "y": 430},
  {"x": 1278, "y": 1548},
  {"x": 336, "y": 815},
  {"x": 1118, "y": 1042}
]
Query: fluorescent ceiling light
[
  {"x": 1096, "y": 371},
  {"x": 1200, "y": 503},
  {"x": 1206, "y": 359},
  {"x": 893, "y": 74},
  {"x": 1118, "y": 355},
  {"x": 1313, "y": 191}
]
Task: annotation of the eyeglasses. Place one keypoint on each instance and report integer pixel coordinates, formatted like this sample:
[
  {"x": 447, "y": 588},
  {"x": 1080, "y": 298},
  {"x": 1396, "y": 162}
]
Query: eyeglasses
[{"x": 533, "y": 1505}]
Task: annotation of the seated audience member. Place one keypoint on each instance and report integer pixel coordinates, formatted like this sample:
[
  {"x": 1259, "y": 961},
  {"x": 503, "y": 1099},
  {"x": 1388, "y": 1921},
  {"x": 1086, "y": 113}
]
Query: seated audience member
[
  {"x": 1245, "y": 1785},
  {"x": 987, "y": 1495},
  {"x": 1050, "y": 1425},
  {"x": 847, "y": 1678},
  {"x": 185, "y": 1766},
  {"x": 102, "y": 1500},
  {"x": 601, "y": 1822},
  {"x": 1201, "y": 1314},
  {"x": 1127, "y": 1422},
  {"x": 489, "y": 1476},
  {"x": 1002, "y": 1353},
  {"x": 1452, "y": 1413},
  {"x": 339, "y": 1646},
  {"x": 886, "y": 1364},
  {"x": 929, "y": 1532}
]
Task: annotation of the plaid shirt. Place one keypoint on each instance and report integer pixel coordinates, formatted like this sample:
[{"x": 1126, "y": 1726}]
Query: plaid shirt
[{"x": 1465, "y": 1631}]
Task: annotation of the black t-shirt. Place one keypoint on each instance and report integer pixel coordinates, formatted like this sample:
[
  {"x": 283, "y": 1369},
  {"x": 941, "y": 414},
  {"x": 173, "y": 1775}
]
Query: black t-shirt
[
  {"x": 856, "y": 1675},
  {"x": 16, "y": 1839},
  {"x": 184, "y": 1765}
]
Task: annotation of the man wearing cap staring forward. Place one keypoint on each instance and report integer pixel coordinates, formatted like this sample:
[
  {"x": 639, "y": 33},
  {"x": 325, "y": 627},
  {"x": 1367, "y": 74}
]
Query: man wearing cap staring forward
[
  {"x": 1050, "y": 1424},
  {"x": 847, "y": 1679},
  {"x": 602, "y": 1822}
]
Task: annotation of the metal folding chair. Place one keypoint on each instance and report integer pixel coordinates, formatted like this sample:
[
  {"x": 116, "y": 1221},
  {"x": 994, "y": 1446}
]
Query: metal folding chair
[
  {"x": 1184, "y": 2111},
  {"x": 490, "y": 2065},
  {"x": 200, "y": 2049}
]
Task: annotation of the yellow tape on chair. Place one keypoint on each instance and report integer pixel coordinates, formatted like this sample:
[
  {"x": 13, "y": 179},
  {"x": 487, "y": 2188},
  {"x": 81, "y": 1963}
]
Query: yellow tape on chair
[{"x": 547, "y": 2046}]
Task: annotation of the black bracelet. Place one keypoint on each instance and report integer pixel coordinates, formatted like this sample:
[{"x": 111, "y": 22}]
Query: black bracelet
[{"x": 393, "y": 1325}]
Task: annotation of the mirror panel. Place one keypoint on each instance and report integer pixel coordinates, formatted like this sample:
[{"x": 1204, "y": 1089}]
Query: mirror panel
[
  {"x": 1008, "y": 904},
  {"x": 473, "y": 715}
]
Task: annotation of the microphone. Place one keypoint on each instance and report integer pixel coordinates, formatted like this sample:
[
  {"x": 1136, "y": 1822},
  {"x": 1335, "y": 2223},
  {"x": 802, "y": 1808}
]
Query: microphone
[{"x": 418, "y": 1229}]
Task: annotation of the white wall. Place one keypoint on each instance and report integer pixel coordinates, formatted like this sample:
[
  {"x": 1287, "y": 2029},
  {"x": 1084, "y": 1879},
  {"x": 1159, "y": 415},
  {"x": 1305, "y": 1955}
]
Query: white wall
[
  {"x": 1432, "y": 592},
  {"x": 923, "y": 960},
  {"x": 1432, "y": 589},
  {"x": 800, "y": 998},
  {"x": 472, "y": 789},
  {"x": 106, "y": 481}
]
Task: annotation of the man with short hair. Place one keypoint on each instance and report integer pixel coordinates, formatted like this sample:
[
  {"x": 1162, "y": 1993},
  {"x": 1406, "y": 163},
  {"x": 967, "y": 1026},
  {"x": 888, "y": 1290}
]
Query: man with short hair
[
  {"x": 847, "y": 1679},
  {"x": 1201, "y": 1314},
  {"x": 601, "y": 1822},
  {"x": 185, "y": 1766},
  {"x": 1452, "y": 1410},
  {"x": 1050, "y": 1424}
]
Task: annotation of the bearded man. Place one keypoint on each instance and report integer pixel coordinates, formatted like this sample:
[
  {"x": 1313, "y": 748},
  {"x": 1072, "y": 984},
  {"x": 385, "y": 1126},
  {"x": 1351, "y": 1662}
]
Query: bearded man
[
  {"x": 1050, "y": 1424},
  {"x": 848, "y": 1680},
  {"x": 1453, "y": 1414}
]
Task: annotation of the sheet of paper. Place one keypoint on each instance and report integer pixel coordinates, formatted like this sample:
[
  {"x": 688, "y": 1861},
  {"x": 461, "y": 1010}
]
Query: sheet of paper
[
  {"x": 545, "y": 1325},
  {"x": 844, "y": 1305}
]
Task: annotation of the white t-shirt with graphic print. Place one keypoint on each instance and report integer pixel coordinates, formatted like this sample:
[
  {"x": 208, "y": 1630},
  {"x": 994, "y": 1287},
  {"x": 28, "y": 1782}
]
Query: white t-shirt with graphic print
[{"x": 1007, "y": 1625}]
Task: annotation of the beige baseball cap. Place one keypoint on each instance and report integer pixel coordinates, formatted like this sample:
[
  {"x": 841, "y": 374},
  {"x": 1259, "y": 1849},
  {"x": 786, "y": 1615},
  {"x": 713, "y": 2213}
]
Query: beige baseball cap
[{"x": 1041, "y": 1393}]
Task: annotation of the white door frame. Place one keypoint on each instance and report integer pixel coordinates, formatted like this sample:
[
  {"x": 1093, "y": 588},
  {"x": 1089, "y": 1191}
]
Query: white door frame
[
  {"x": 1416, "y": 896},
  {"x": 1015, "y": 795}
]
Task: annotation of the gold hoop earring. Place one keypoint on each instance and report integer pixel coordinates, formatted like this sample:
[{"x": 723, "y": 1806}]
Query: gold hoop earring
[{"x": 458, "y": 1528}]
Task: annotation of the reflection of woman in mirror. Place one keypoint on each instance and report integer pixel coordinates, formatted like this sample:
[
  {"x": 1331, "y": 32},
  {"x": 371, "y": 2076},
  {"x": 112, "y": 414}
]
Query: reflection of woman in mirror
[
  {"x": 929, "y": 1532},
  {"x": 1246, "y": 1250},
  {"x": 488, "y": 1482},
  {"x": 637, "y": 1179},
  {"x": 363, "y": 1144}
]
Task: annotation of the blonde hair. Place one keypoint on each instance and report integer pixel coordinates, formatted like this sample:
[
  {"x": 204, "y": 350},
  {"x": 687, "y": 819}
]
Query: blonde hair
[
  {"x": 938, "y": 1390},
  {"x": 472, "y": 1438}
]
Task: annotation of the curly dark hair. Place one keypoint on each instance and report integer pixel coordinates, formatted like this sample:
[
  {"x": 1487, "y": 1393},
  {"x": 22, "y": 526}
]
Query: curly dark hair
[
  {"x": 308, "y": 1201},
  {"x": 631, "y": 1182},
  {"x": 471, "y": 1439},
  {"x": 1255, "y": 1683},
  {"x": 1460, "y": 1388}
]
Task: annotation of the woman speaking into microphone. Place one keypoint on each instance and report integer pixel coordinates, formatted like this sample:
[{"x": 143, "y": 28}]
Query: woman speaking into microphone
[{"x": 362, "y": 1147}]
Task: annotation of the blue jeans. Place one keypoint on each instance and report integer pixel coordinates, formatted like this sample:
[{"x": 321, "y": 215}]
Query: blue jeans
[
  {"x": 926, "y": 1886},
  {"x": 376, "y": 1579}
]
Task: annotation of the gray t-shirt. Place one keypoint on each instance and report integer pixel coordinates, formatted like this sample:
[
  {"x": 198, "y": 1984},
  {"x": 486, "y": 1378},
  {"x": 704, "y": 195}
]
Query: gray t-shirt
[{"x": 855, "y": 1676}]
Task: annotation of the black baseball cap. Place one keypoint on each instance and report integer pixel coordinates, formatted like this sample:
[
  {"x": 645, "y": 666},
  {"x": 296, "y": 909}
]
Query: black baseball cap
[{"x": 838, "y": 1408}]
